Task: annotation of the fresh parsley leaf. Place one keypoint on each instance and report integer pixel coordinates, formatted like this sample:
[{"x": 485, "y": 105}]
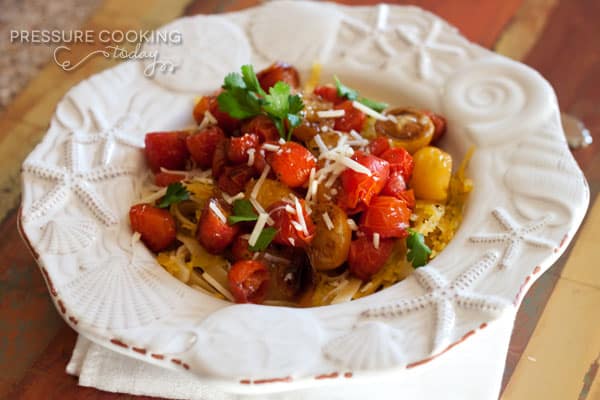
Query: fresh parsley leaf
[
  {"x": 351, "y": 94},
  {"x": 418, "y": 251},
  {"x": 264, "y": 239},
  {"x": 234, "y": 80},
  {"x": 373, "y": 105},
  {"x": 239, "y": 103},
  {"x": 251, "y": 80},
  {"x": 277, "y": 101},
  {"x": 242, "y": 211},
  {"x": 344, "y": 91},
  {"x": 295, "y": 104},
  {"x": 176, "y": 192}
]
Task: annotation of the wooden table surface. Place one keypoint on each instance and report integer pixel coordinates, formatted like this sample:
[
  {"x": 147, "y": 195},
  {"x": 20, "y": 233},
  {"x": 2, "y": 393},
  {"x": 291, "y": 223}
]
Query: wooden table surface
[{"x": 555, "y": 349}]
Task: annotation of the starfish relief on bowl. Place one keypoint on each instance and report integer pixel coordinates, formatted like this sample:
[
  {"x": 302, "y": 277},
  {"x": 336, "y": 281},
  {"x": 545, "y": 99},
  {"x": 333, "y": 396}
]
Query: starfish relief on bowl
[{"x": 79, "y": 182}]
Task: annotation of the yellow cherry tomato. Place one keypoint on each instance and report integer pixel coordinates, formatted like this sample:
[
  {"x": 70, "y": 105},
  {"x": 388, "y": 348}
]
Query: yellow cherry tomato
[
  {"x": 409, "y": 129},
  {"x": 431, "y": 174}
]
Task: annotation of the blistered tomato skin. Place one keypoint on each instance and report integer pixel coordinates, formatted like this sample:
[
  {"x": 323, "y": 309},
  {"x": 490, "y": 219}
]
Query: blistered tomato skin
[
  {"x": 278, "y": 72},
  {"x": 364, "y": 260},
  {"x": 388, "y": 216},
  {"x": 328, "y": 93},
  {"x": 164, "y": 179},
  {"x": 202, "y": 145},
  {"x": 379, "y": 145},
  {"x": 395, "y": 185},
  {"x": 263, "y": 127},
  {"x": 234, "y": 179},
  {"x": 292, "y": 163},
  {"x": 213, "y": 233},
  {"x": 237, "y": 147},
  {"x": 155, "y": 225},
  {"x": 353, "y": 119},
  {"x": 400, "y": 161},
  {"x": 432, "y": 173},
  {"x": 166, "y": 150},
  {"x": 360, "y": 188},
  {"x": 286, "y": 224},
  {"x": 248, "y": 281}
]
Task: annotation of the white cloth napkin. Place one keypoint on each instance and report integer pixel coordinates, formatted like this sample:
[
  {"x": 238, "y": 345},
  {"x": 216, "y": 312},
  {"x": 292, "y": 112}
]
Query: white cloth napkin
[{"x": 471, "y": 371}]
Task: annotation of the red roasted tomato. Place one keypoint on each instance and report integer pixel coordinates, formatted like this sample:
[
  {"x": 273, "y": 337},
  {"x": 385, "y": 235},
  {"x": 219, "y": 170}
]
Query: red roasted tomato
[
  {"x": 213, "y": 233},
  {"x": 240, "y": 249},
  {"x": 285, "y": 222},
  {"x": 353, "y": 119},
  {"x": 155, "y": 225},
  {"x": 234, "y": 179},
  {"x": 439, "y": 124},
  {"x": 360, "y": 188},
  {"x": 387, "y": 216},
  {"x": 202, "y": 145},
  {"x": 166, "y": 150},
  {"x": 379, "y": 145},
  {"x": 248, "y": 281},
  {"x": 400, "y": 161},
  {"x": 263, "y": 127},
  {"x": 237, "y": 147},
  {"x": 210, "y": 103},
  {"x": 292, "y": 163},
  {"x": 364, "y": 260},
  {"x": 328, "y": 93},
  {"x": 278, "y": 72}
]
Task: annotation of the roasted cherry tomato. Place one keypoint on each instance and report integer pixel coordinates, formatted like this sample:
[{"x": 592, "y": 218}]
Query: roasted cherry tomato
[
  {"x": 166, "y": 150},
  {"x": 155, "y": 225},
  {"x": 248, "y": 281},
  {"x": 410, "y": 129},
  {"x": 432, "y": 173},
  {"x": 359, "y": 187},
  {"x": 395, "y": 185},
  {"x": 379, "y": 145},
  {"x": 439, "y": 124},
  {"x": 408, "y": 196},
  {"x": 329, "y": 249},
  {"x": 240, "y": 249},
  {"x": 213, "y": 233},
  {"x": 262, "y": 126},
  {"x": 288, "y": 224},
  {"x": 387, "y": 216},
  {"x": 202, "y": 145},
  {"x": 166, "y": 178},
  {"x": 328, "y": 93},
  {"x": 400, "y": 161},
  {"x": 352, "y": 119},
  {"x": 237, "y": 147},
  {"x": 210, "y": 103},
  {"x": 364, "y": 260},
  {"x": 278, "y": 72},
  {"x": 234, "y": 179},
  {"x": 292, "y": 163},
  {"x": 311, "y": 123},
  {"x": 219, "y": 158}
]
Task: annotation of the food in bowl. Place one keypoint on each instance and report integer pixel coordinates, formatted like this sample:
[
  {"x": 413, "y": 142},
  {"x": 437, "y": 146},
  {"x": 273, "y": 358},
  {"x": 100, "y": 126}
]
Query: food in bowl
[{"x": 295, "y": 196}]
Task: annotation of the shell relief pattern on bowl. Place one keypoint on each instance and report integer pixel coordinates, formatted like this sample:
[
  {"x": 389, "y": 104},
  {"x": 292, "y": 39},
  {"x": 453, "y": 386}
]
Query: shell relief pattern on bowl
[{"x": 125, "y": 300}]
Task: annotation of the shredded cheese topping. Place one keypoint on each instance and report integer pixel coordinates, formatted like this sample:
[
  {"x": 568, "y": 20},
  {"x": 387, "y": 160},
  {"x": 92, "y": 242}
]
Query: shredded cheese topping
[
  {"x": 331, "y": 113},
  {"x": 328, "y": 221},
  {"x": 260, "y": 224},
  {"x": 215, "y": 209},
  {"x": 260, "y": 182},
  {"x": 369, "y": 111},
  {"x": 376, "y": 240}
]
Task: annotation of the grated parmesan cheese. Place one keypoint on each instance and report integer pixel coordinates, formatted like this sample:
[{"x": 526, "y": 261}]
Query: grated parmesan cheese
[
  {"x": 328, "y": 221},
  {"x": 260, "y": 224},
  {"x": 352, "y": 224},
  {"x": 300, "y": 216},
  {"x": 331, "y": 113},
  {"x": 270, "y": 147},
  {"x": 251, "y": 153},
  {"x": 260, "y": 182},
  {"x": 215, "y": 209},
  {"x": 370, "y": 112},
  {"x": 230, "y": 199},
  {"x": 376, "y": 240}
]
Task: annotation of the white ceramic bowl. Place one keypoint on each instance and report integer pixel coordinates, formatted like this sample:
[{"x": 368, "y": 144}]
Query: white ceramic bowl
[{"x": 80, "y": 181}]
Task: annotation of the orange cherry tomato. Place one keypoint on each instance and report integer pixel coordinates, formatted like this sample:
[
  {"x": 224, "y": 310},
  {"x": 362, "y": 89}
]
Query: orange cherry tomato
[
  {"x": 364, "y": 260},
  {"x": 155, "y": 225},
  {"x": 292, "y": 163},
  {"x": 328, "y": 93},
  {"x": 352, "y": 119},
  {"x": 278, "y": 72},
  {"x": 387, "y": 216},
  {"x": 263, "y": 127},
  {"x": 248, "y": 281},
  {"x": 360, "y": 188},
  {"x": 400, "y": 161},
  {"x": 166, "y": 178},
  {"x": 212, "y": 233},
  {"x": 286, "y": 224},
  {"x": 202, "y": 145},
  {"x": 237, "y": 147},
  {"x": 166, "y": 150}
]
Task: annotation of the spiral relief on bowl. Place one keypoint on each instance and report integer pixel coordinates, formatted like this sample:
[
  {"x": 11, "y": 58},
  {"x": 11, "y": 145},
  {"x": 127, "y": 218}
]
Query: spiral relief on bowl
[{"x": 497, "y": 100}]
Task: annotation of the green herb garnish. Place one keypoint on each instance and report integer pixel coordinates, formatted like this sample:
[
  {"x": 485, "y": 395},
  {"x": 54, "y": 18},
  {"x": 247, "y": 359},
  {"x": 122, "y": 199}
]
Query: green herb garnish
[
  {"x": 264, "y": 239},
  {"x": 244, "y": 98},
  {"x": 242, "y": 212},
  {"x": 418, "y": 251},
  {"x": 351, "y": 94},
  {"x": 176, "y": 192}
]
